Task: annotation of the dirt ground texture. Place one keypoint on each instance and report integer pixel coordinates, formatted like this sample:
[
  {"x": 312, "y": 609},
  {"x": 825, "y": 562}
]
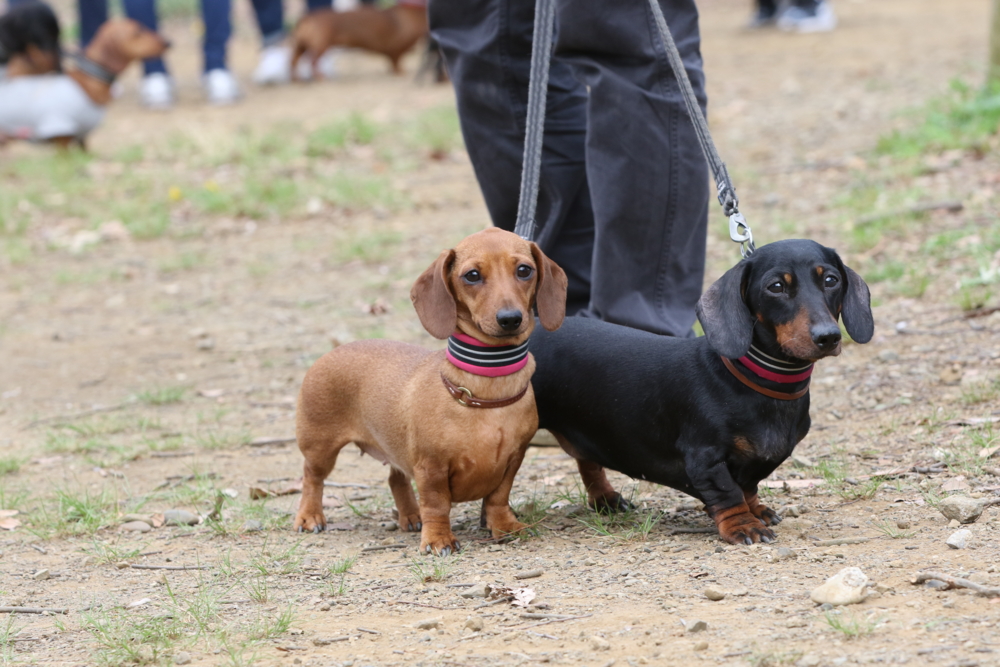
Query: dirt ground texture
[{"x": 161, "y": 299}]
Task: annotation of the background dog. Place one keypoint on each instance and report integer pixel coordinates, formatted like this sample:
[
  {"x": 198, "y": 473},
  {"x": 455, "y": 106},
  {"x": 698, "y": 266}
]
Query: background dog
[
  {"x": 457, "y": 422},
  {"x": 709, "y": 416},
  {"x": 391, "y": 32}
]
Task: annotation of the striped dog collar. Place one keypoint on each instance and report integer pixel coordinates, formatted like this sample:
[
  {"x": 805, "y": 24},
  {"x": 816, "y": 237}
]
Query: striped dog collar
[
  {"x": 92, "y": 69},
  {"x": 471, "y": 355},
  {"x": 773, "y": 369}
]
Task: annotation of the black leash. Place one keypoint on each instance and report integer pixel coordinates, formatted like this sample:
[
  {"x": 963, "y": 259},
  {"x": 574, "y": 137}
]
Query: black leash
[{"x": 541, "y": 53}]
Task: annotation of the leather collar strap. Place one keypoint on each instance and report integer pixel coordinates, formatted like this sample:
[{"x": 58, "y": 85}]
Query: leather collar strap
[
  {"x": 465, "y": 397},
  {"x": 92, "y": 69},
  {"x": 761, "y": 390}
]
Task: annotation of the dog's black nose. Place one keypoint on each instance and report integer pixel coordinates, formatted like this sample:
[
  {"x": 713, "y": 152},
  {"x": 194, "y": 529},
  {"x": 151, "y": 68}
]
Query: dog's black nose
[
  {"x": 509, "y": 320},
  {"x": 826, "y": 336}
]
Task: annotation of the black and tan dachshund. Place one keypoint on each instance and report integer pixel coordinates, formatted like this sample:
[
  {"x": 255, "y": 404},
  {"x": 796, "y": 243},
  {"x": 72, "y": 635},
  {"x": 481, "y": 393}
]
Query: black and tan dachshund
[{"x": 708, "y": 416}]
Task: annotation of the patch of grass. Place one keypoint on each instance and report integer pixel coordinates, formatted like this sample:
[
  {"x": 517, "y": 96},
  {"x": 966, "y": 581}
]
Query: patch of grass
[
  {"x": 218, "y": 439},
  {"x": 932, "y": 497},
  {"x": 75, "y": 513},
  {"x": 531, "y": 510},
  {"x": 331, "y": 138},
  {"x": 981, "y": 392},
  {"x": 889, "y": 528},
  {"x": 112, "y": 552},
  {"x": 436, "y": 568},
  {"x": 8, "y": 630},
  {"x": 630, "y": 526},
  {"x": 774, "y": 658},
  {"x": 338, "y": 571},
  {"x": 123, "y": 637},
  {"x": 962, "y": 119},
  {"x": 162, "y": 395},
  {"x": 10, "y": 464},
  {"x": 279, "y": 561},
  {"x": 263, "y": 628},
  {"x": 835, "y": 475},
  {"x": 851, "y": 626},
  {"x": 359, "y": 191}
]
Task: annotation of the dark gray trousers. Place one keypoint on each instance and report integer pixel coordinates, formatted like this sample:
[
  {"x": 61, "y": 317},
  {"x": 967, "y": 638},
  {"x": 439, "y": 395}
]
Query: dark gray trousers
[{"x": 624, "y": 187}]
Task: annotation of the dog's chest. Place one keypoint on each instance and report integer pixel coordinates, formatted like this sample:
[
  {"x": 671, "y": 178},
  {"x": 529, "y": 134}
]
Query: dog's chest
[{"x": 774, "y": 437}]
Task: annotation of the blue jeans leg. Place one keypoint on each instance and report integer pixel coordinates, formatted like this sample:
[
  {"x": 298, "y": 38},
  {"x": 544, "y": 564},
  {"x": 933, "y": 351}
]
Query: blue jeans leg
[
  {"x": 93, "y": 13},
  {"x": 271, "y": 20},
  {"x": 218, "y": 28}
]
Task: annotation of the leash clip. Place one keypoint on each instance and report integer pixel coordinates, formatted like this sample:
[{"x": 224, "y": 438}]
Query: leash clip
[
  {"x": 739, "y": 232},
  {"x": 467, "y": 396}
]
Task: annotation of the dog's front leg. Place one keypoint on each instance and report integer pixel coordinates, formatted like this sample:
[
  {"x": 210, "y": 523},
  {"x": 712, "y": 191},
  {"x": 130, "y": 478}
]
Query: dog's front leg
[
  {"x": 496, "y": 506},
  {"x": 725, "y": 503},
  {"x": 435, "y": 511},
  {"x": 767, "y": 515}
]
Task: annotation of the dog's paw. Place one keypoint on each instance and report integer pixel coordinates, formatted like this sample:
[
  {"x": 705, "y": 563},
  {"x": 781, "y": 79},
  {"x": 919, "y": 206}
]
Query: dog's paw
[
  {"x": 503, "y": 529},
  {"x": 309, "y": 522},
  {"x": 611, "y": 503},
  {"x": 410, "y": 523},
  {"x": 745, "y": 528},
  {"x": 767, "y": 515},
  {"x": 439, "y": 544}
]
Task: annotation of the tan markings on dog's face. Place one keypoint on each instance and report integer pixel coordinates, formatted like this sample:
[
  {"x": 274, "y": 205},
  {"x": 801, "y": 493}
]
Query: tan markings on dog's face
[
  {"x": 795, "y": 339},
  {"x": 493, "y": 273},
  {"x": 788, "y": 278},
  {"x": 819, "y": 271}
]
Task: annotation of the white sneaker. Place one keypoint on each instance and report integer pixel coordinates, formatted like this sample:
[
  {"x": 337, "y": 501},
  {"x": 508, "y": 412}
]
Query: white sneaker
[
  {"x": 797, "y": 19},
  {"x": 274, "y": 67},
  {"x": 156, "y": 91},
  {"x": 327, "y": 66},
  {"x": 220, "y": 87}
]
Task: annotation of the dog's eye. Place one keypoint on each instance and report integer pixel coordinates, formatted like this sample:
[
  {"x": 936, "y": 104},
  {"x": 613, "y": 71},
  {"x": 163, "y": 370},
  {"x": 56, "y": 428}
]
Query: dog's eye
[
  {"x": 776, "y": 288},
  {"x": 524, "y": 272},
  {"x": 472, "y": 277},
  {"x": 831, "y": 281}
]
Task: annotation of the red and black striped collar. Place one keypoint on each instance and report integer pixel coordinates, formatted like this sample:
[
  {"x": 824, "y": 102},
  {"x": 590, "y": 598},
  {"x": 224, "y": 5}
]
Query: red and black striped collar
[{"x": 755, "y": 367}]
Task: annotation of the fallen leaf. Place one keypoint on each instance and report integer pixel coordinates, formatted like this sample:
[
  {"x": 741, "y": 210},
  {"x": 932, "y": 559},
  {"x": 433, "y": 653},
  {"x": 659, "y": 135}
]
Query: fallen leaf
[
  {"x": 158, "y": 520},
  {"x": 139, "y": 603},
  {"x": 9, "y": 524},
  {"x": 211, "y": 393},
  {"x": 6, "y": 513},
  {"x": 955, "y": 484},
  {"x": 523, "y": 597},
  {"x": 987, "y": 452}
]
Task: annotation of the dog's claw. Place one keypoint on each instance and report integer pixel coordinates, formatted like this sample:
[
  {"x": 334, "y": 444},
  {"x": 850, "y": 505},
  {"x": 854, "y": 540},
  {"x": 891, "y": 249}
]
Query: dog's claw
[
  {"x": 446, "y": 551},
  {"x": 316, "y": 529},
  {"x": 299, "y": 529}
]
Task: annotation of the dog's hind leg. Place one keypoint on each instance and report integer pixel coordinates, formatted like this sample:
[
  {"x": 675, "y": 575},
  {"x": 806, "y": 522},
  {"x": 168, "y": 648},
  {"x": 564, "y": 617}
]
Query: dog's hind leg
[
  {"x": 297, "y": 52},
  {"x": 406, "y": 502},
  {"x": 320, "y": 448},
  {"x": 601, "y": 496}
]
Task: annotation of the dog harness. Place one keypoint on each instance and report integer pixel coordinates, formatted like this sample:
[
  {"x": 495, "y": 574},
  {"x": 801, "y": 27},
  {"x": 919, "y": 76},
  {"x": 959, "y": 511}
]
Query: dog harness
[
  {"x": 478, "y": 358},
  {"x": 473, "y": 356},
  {"x": 38, "y": 108},
  {"x": 772, "y": 369}
]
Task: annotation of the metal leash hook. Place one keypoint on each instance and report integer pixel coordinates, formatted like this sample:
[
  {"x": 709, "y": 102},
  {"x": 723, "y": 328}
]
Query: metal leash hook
[{"x": 739, "y": 232}]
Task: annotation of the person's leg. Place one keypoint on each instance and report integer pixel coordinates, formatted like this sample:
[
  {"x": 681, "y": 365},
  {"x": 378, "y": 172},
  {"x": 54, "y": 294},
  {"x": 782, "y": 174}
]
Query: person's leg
[
  {"x": 218, "y": 29},
  {"x": 93, "y": 14},
  {"x": 487, "y": 47},
  {"x": 648, "y": 177},
  {"x": 313, "y": 5},
  {"x": 144, "y": 11},
  {"x": 271, "y": 20}
]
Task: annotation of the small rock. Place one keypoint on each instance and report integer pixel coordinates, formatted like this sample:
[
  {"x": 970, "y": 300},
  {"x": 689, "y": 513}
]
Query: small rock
[
  {"x": 205, "y": 344},
  {"x": 935, "y": 584},
  {"x": 429, "y": 624},
  {"x": 474, "y": 624},
  {"x": 951, "y": 375},
  {"x": 388, "y": 541},
  {"x": 959, "y": 539},
  {"x": 589, "y": 562},
  {"x": 599, "y": 644},
  {"x": 324, "y": 607},
  {"x": 888, "y": 355},
  {"x": 136, "y": 517},
  {"x": 739, "y": 592},
  {"x": 884, "y": 588},
  {"x": 389, "y": 526},
  {"x": 896, "y": 563},
  {"x": 41, "y": 575},
  {"x": 697, "y": 626},
  {"x": 792, "y": 510},
  {"x": 845, "y": 587},
  {"x": 182, "y": 658},
  {"x": 961, "y": 508},
  {"x": 955, "y": 484},
  {"x": 252, "y": 526},
  {"x": 180, "y": 518},
  {"x": 478, "y": 590},
  {"x": 809, "y": 660},
  {"x": 902, "y": 524},
  {"x": 530, "y": 574},
  {"x": 954, "y": 523},
  {"x": 784, "y": 553},
  {"x": 135, "y": 527},
  {"x": 701, "y": 646},
  {"x": 796, "y": 622},
  {"x": 714, "y": 594}
]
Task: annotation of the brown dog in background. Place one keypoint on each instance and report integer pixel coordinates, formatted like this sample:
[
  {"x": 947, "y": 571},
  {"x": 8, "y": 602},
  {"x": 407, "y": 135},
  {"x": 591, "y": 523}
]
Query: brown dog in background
[
  {"x": 460, "y": 442},
  {"x": 391, "y": 32}
]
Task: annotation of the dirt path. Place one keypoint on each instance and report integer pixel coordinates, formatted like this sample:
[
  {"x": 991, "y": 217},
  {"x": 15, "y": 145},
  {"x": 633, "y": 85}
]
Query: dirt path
[{"x": 144, "y": 365}]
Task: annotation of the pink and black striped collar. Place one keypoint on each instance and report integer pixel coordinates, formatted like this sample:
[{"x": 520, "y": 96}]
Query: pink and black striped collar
[{"x": 478, "y": 358}]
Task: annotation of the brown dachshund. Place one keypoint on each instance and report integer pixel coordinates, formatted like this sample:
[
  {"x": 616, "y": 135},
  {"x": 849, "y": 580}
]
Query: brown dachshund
[
  {"x": 391, "y": 32},
  {"x": 455, "y": 421}
]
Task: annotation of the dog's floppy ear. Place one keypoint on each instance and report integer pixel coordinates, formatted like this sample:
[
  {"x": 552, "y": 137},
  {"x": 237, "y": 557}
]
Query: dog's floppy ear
[
  {"x": 432, "y": 297},
  {"x": 724, "y": 314},
  {"x": 856, "y": 309},
  {"x": 550, "y": 292}
]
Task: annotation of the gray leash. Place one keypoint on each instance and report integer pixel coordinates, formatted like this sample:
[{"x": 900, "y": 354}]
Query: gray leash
[
  {"x": 538, "y": 84},
  {"x": 541, "y": 52}
]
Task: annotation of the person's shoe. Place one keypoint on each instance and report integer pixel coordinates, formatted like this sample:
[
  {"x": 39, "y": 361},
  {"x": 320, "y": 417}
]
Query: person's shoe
[
  {"x": 274, "y": 67},
  {"x": 220, "y": 87},
  {"x": 764, "y": 17},
  {"x": 818, "y": 19},
  {"x": 156, "y": 91}
]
